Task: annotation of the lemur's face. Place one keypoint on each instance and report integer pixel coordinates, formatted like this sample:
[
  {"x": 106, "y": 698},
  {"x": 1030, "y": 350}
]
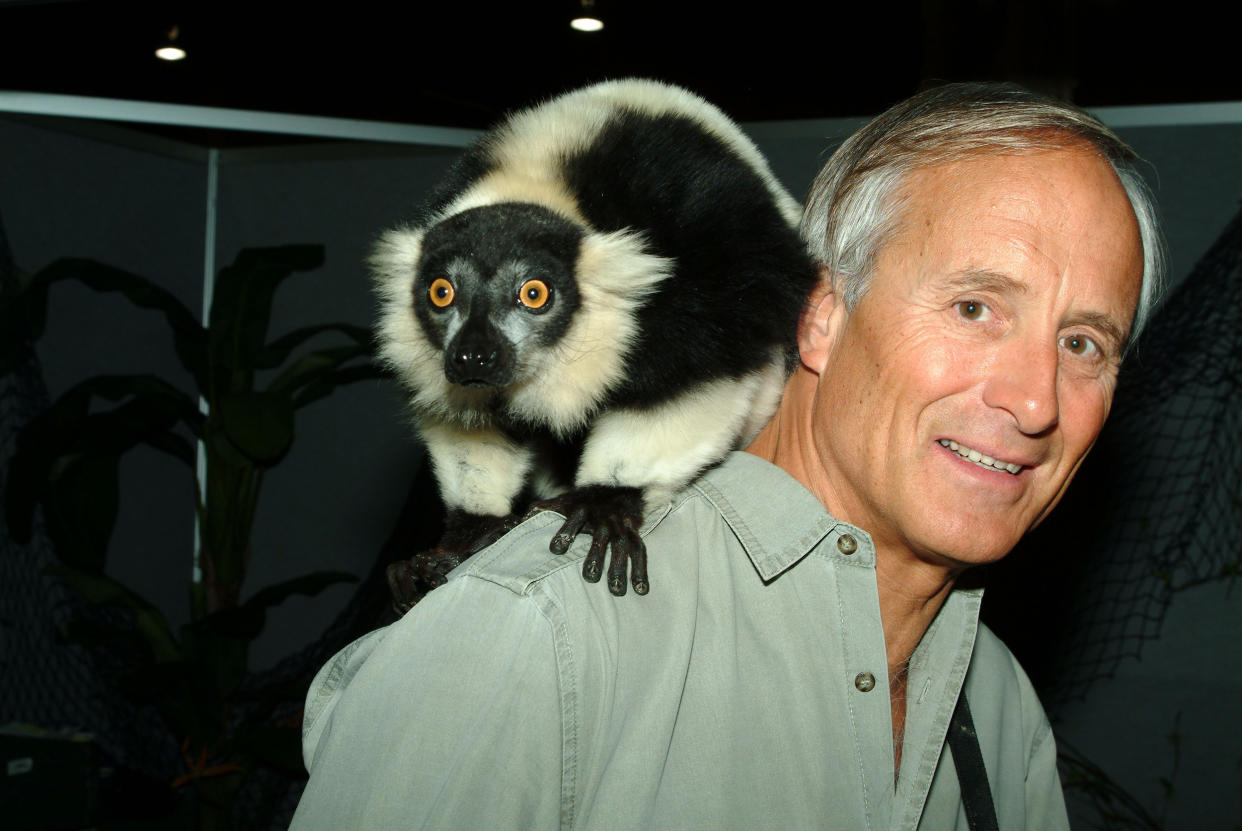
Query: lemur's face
[{"x": 494, "y": 285}]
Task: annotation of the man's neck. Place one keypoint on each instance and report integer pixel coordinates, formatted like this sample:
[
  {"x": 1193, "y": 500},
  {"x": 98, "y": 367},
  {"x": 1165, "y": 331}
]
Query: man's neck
[
  {"x": 911, "y": 592},
  {"x": 911, "y": 589}
]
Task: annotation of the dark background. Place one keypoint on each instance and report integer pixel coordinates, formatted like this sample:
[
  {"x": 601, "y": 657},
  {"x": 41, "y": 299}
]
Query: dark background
[{"x": 463, "y": 64}]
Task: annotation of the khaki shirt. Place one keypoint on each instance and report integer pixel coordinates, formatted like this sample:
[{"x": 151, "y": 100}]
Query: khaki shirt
[{"x": 749, "y": 690}]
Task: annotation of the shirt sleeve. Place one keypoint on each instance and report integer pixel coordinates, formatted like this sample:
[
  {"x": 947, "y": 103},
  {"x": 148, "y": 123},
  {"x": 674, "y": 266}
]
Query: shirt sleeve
[{"x": 450, "y": 718}]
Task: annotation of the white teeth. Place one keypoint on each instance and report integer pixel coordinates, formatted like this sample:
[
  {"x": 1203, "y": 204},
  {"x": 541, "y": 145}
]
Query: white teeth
[{"x": 979, "y": 458}]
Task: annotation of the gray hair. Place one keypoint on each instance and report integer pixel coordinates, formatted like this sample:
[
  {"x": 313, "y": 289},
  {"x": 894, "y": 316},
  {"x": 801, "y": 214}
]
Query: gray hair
[{"x": 853, "y": 207}]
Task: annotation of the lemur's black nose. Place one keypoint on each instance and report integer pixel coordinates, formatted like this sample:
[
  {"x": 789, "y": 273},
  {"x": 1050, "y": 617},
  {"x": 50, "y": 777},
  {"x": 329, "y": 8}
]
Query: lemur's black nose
[
  {"x": 477, "y": 359},
  {"x": 472, "y": 359}
]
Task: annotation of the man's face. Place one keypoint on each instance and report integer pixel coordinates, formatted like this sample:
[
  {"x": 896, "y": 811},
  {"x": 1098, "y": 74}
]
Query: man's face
[{"x": 957, "y": 400}]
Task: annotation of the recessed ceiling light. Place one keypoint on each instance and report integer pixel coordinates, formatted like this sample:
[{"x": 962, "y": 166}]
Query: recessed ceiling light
[
  {"x": 169, "y": 49},
  {"x": 587, "y": 24},
  {"x": 588, "y": 20}
]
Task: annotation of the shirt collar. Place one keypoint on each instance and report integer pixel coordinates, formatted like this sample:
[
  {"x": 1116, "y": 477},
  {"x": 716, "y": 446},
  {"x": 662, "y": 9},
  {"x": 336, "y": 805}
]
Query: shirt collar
[{"x": 778, "y": 529}]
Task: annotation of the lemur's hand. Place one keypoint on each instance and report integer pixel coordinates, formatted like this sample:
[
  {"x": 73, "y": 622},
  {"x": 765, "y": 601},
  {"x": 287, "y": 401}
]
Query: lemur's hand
[
  {"x": 466, "y": 535},
  {"x": 612, "y": 516}
]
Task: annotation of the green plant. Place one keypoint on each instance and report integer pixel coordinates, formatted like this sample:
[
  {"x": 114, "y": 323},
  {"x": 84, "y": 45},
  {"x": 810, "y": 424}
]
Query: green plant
[{"x": 67, "y": 463}]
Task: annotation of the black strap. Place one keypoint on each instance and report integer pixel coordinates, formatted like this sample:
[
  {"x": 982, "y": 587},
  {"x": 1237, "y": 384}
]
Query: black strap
[{"x": 972, "y": 777}]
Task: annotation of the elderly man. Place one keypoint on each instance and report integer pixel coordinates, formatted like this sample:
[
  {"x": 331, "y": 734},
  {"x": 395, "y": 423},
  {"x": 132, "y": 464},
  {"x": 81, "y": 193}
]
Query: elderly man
[{"x": 810, "y": 657}]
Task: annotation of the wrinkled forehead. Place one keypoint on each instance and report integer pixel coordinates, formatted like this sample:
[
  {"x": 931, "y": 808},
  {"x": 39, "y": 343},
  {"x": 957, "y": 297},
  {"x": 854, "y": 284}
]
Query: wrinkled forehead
[{"x": 1056, "y": 214}]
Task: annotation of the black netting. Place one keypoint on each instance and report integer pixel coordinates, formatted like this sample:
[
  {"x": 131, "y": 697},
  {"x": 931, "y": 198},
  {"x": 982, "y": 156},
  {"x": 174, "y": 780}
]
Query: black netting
[{"x": 1157, "y": 506}]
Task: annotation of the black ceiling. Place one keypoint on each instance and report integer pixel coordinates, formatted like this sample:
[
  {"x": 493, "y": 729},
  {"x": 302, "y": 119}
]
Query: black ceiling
[{"x": 464, "y": 64}]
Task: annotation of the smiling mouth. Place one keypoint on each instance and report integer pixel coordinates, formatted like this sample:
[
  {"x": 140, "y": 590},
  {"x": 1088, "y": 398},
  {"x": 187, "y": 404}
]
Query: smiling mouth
[{"x": 981, "y": 459}]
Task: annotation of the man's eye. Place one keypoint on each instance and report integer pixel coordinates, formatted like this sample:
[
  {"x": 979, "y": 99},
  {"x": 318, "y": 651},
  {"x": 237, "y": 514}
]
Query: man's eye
[
  {"x": 971, "y": 309},
  {"x": 1080, "y": 345}
]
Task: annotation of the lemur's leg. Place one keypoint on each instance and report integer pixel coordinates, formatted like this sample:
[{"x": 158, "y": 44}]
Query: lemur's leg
[
  {"x": 480, "y": 471},
  {"x": 634, "y": 460}
]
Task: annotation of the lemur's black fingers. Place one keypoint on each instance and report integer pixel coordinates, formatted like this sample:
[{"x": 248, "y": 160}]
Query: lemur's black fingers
[
  {"x": 490, "y": 536},
  {"x": 409, "y": 580},
  {"x": 569, "y": 529},
  {"x": 638, "y": 564},
  {"x": 619, "y": 563},
  {"x": 593, "y": 565},
  {"x": 403, "y": 590}
]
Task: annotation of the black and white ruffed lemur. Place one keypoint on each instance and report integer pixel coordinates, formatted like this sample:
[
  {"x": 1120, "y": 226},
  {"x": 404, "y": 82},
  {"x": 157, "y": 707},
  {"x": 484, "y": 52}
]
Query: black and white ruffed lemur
[{"x": 597, "y": 304}]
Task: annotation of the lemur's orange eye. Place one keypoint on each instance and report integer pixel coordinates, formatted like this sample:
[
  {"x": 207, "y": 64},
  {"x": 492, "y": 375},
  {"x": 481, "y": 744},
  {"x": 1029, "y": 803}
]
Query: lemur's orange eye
[
  {"x": 533, "y": 294},
  {"x": 441, "y": 292}
]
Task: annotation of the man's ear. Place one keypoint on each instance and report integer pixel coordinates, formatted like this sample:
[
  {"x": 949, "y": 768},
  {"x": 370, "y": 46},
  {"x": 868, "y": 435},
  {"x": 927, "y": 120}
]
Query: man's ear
[{"x": 821, "y": 323}]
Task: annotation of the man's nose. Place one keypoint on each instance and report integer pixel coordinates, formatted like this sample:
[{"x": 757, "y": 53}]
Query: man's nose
[{"x": 1023, "y": 382}]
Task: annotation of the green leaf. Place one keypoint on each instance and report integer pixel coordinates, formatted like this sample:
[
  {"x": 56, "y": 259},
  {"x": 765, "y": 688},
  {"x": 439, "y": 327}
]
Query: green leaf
[
  {"x": 67, "y": 459},
  {"x": 258, "y": 424},
  {"x": 176, "y": 446},
  {"x": 241, "y": 306},
  {"x": 222, "y": 453},
  {"x": 308, "y": 585},
  {"x": 247, "y": 620},
  {"x": 15, "y": 335},
  {"x": 80, "y": 507},
  {"x": 312, "y": 365},
  {"x": 278, "y": 351},
  {"x": 328, "y": 383},
  {"x": 150, "y": 621},
  {"x": 189, "y": 337},
  {"x": 151, "y": 403},
  {"x": 317, "y": 374}
]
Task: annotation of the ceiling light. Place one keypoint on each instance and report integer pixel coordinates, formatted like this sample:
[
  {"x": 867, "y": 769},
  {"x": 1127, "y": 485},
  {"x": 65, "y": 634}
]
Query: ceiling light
[
  {"x": 587, "y": 20},
  {"x": 169, "y": 49}
]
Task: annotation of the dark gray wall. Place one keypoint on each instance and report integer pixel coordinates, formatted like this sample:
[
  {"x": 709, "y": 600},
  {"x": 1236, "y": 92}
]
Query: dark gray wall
[
  {"x": 63, "y": 195},
  {"x": 1196, "y": 173}
]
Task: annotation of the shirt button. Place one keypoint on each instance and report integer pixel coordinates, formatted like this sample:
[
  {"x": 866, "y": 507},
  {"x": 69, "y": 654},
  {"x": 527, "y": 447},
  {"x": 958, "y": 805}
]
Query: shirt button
[
  {"x": 846, "y": 544},
  {"x": 864, "y": 682}
]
